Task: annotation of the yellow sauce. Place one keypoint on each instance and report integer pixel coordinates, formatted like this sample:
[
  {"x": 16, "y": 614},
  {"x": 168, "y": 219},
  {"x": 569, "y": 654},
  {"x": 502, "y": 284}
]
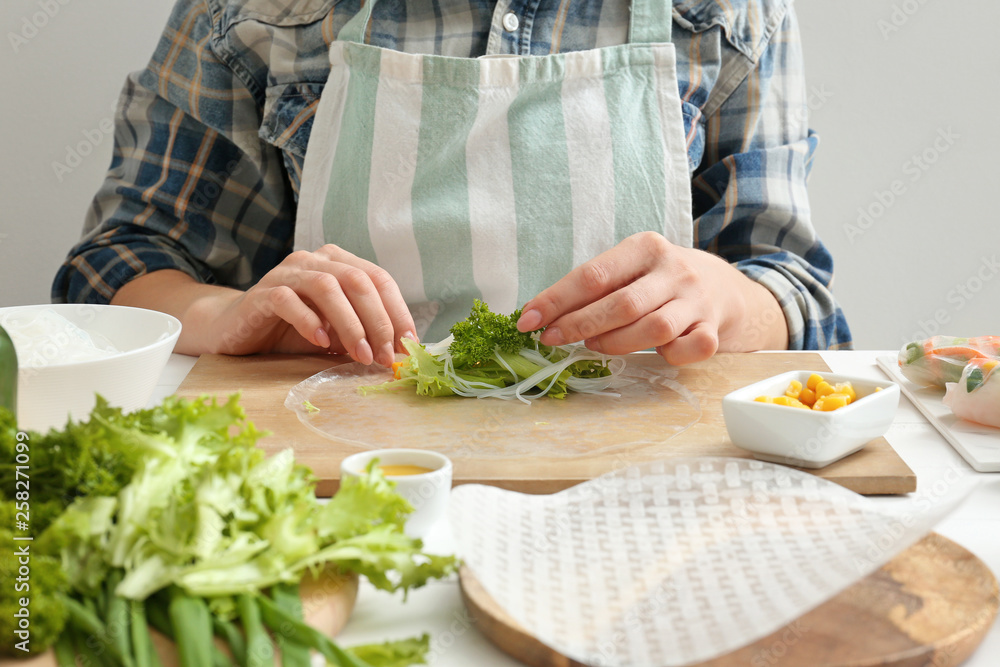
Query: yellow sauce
[{"x": 401, "y": 469}]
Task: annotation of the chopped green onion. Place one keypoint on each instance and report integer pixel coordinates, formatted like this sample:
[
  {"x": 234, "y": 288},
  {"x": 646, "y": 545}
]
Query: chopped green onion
[
  {"x": 84, "y": 620},
  {"x": 63, "y": 648},
  {"x": 293, "y": 654},
  {"x": 974, "y": 379},
  {"x": 276, "y": 617},
  {"x": 260, "y": 650},
  {"x": 118, "y": 621},
  {"x": 142, "y": 641},
  {"x": 233, "y": 638},
  {"x": 192, "y": 623}
]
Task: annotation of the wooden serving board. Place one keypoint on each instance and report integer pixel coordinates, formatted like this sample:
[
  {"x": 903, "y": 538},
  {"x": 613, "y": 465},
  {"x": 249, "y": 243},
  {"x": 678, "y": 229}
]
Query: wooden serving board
[
  {"x": 264, "y": 382},
  {"x": 931, "y": 605}
]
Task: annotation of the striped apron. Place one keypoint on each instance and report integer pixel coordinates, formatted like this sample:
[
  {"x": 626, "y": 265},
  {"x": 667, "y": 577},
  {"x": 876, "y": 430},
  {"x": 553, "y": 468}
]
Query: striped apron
[{"x": 493, "y": 177}]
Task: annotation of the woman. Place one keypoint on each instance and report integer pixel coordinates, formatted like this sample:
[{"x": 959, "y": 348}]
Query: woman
[{"x": 634, "y": 176}]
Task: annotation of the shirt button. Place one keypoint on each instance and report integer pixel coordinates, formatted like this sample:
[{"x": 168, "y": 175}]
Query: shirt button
[{"x": 510, "y": 22}]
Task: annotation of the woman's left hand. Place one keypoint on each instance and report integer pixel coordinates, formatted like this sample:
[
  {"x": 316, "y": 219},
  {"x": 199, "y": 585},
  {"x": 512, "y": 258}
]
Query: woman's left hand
[{"x": 647, "y": 292}]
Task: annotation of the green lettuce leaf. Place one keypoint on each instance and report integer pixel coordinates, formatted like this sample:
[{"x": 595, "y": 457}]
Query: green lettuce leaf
[
  {"x": 399, "y": 653},
  {"x": 208, "y": 511}
]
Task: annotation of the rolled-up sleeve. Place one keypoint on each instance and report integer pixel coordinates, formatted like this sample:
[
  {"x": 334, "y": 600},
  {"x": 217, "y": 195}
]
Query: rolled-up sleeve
[
  {"x": 751, "y": 205},
  {"x": 191, "y": 186}
]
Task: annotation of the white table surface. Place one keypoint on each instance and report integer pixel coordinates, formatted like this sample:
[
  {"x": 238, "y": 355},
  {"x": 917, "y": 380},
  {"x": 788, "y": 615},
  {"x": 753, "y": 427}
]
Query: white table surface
[{"x": 437, "y": 609}]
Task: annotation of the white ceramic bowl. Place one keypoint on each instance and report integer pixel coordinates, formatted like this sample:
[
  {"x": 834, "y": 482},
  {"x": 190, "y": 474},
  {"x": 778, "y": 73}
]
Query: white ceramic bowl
[
  {"x": 427, "y": 492},
  {"x": 51, "y": 390},
  {"x": 808, "y": 438}
]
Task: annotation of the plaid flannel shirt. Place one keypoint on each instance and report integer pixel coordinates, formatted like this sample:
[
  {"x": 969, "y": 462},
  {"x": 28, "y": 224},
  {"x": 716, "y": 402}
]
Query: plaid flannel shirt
[{"x": 211, "y": 137}]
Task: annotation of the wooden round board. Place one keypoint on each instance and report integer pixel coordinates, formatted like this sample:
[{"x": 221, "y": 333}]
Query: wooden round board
[{"x": 931, "y": 605}]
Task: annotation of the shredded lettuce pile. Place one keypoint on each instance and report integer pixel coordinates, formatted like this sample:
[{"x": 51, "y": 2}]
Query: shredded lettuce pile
[{"x": 487, "y": 357}]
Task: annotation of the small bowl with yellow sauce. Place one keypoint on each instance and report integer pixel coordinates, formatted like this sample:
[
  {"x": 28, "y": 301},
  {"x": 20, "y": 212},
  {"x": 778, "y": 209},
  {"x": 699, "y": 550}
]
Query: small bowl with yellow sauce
[{"x": 422, "y": 477}]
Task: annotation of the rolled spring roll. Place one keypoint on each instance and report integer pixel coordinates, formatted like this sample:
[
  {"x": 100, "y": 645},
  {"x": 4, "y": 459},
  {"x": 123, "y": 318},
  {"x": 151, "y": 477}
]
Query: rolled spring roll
[
  {"x": 938, "y": 360},
  {"x": 976, "y": 395}
]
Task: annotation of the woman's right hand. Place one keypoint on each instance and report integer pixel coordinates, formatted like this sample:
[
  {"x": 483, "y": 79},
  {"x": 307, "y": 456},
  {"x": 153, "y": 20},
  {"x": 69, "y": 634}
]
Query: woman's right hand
[{"x": 325, "y": 300}]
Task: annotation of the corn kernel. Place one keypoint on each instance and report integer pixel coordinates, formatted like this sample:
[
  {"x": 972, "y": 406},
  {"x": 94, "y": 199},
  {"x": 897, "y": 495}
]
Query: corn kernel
[
  {"x": 847, "y": 389},
  {"x": 833, "y": 401},
  {"x": 823, "y": 388},
  {"x": 794, "y": 389},
  {"x": 807, "y": 396},
  {"x": 818, "y": 394},
  {"x": 788, "y": 401}
]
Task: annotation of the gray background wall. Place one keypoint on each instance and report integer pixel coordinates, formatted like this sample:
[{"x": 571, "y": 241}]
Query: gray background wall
[{"x": 904, "y": 94}]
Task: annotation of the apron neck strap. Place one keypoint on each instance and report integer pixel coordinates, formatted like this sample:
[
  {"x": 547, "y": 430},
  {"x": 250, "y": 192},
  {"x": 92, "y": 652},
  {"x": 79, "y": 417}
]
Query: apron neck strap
[
  {"x": 650, "y": 22},
  {"x": 355, "y": 29}
]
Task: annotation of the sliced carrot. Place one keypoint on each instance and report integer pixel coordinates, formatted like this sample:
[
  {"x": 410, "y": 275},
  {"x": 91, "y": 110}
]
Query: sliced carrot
[{"x": 958, "y": 351}]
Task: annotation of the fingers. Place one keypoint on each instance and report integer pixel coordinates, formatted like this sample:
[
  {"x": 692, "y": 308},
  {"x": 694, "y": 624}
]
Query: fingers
[
  {"x": 385, "y": 338},
  {"x": 674, "y": 329},
  {"x": 393, "y": 304},
  {"x": 360, "y": 301},
  {"x": 310, "y": 302},
  {"x": 654, "y": 329},
  {"x": 626, "y": 306},
  {"x": 262, "y": 319},
  {"x": 697, "y": 345},
  {"x": 645, "y": 292},
  {"x": 588, "y": 283},
  {"x": 286, "y": 304},
  {"x": 344, "y": 296}
]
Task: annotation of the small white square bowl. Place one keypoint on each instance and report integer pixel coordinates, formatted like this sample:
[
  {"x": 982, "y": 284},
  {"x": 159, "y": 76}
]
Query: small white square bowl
[{"x": 808, "y": 438}]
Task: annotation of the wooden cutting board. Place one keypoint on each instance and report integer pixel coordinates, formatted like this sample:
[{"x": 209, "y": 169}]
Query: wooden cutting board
[
  {"x": 931, "y": 605},
  {"x": 264, "y": 381}
]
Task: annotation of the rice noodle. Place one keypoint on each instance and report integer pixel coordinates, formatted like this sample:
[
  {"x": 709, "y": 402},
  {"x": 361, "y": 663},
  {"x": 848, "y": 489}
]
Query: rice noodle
[
  {"x": 550, "y": 371},
  {"x": 43, "y": 337}
]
